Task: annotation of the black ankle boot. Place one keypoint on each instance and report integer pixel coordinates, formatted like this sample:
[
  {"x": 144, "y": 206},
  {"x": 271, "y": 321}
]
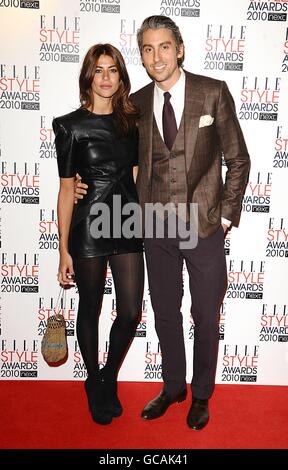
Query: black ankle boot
[
  {"x": 113, "y": 397},
  {"x": 99, "y": 406},
  {"x": 111, "y": 389}
]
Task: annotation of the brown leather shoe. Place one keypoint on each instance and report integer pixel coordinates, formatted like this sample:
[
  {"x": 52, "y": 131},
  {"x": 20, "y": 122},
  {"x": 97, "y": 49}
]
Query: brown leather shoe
[
  {"x": 157, "y": 407},
  {"x": 198, "y": 415}
]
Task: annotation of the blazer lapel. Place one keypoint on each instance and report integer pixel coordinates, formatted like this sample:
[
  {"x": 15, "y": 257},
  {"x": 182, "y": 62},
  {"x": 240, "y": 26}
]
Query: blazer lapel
[{"x": 194, "y": 101}]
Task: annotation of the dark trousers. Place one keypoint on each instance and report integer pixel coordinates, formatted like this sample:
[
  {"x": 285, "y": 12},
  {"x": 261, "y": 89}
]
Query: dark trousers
[{"x": 206, "y": 266}]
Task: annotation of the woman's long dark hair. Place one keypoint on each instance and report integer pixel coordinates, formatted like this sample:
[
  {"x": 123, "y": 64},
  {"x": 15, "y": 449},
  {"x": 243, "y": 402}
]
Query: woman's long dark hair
[{"x": 125, "y": 113}]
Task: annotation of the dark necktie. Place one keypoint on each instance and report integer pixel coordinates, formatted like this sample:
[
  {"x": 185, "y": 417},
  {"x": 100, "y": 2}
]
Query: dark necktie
[{"x": 168, "y": 121}]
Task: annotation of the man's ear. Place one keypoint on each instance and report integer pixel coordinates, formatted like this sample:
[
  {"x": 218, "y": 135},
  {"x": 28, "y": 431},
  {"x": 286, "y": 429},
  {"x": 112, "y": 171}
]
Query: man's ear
[{"x": 180, "y": 52}]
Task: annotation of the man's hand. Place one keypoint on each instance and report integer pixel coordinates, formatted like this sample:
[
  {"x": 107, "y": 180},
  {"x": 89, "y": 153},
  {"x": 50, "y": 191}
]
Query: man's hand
[{"x": 79, "y": 189}]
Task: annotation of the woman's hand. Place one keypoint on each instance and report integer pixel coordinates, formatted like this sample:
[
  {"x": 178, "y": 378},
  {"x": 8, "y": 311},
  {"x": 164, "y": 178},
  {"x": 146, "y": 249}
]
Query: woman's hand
[{"x": 65, "y": 271}]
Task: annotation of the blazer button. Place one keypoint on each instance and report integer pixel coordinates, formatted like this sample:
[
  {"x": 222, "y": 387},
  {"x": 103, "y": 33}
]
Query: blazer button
[
  {"x": 173, "y": 180},
  {"x": 172, "y": 155}
]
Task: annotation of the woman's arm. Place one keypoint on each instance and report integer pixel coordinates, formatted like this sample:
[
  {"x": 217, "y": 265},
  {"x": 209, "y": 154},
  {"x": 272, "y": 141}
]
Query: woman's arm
[{"x": 64, "y": 210}]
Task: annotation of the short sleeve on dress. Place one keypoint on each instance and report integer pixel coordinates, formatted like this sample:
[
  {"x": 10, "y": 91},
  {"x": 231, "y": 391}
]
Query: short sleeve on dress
[{"x": 64, "y": 150}]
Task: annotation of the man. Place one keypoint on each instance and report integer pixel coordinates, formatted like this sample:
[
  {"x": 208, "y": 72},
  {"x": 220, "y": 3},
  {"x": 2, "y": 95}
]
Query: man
[{"x": 180, "y": 162}]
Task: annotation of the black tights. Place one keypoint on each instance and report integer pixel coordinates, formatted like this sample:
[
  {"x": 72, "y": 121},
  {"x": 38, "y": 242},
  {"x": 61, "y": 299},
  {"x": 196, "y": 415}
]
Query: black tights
[{"x": 128, "y": 276}]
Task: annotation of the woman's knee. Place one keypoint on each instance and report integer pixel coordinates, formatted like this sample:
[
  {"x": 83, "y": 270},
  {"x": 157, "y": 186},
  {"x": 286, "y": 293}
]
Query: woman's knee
[{"x": 129, "y": 316}]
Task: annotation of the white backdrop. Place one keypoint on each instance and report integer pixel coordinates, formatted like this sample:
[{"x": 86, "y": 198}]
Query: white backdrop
[{"x": 43, "y": 43}]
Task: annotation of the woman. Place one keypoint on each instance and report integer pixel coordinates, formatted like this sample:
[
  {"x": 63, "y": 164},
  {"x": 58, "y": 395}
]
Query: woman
[{"x": 100, "y": 142}]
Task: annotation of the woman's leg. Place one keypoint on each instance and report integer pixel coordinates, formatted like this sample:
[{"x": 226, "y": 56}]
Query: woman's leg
[
  {"x": 128, "y": 276},
  {"x": 90, "y": 275}
]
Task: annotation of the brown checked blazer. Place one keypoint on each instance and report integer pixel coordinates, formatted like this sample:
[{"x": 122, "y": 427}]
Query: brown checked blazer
[{"x": 211, "y": 128}]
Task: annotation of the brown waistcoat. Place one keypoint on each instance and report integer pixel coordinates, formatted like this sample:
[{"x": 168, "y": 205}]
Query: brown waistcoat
[{"x": 169, "y": 180}]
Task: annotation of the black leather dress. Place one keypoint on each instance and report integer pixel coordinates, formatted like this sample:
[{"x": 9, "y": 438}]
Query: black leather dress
[{"x": 88, "y": 144}]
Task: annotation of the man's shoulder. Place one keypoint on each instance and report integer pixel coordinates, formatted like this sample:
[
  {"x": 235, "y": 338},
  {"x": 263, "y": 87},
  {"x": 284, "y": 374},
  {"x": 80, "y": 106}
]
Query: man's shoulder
[
  {"x": 203, "y": 80},
  {"x": 142, "y": 92}
]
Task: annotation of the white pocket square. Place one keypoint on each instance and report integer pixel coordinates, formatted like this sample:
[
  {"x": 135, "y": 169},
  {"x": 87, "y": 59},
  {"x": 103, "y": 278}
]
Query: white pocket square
[{"x": 206, "y": 120}]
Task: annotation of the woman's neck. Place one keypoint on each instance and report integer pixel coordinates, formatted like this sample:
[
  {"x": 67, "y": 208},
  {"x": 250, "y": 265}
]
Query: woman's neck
[{"x": 102, "y": 107}]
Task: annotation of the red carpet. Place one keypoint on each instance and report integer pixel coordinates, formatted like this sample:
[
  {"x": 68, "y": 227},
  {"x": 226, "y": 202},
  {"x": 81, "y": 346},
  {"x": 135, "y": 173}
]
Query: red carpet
[{"x": 54, "y": 415}]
